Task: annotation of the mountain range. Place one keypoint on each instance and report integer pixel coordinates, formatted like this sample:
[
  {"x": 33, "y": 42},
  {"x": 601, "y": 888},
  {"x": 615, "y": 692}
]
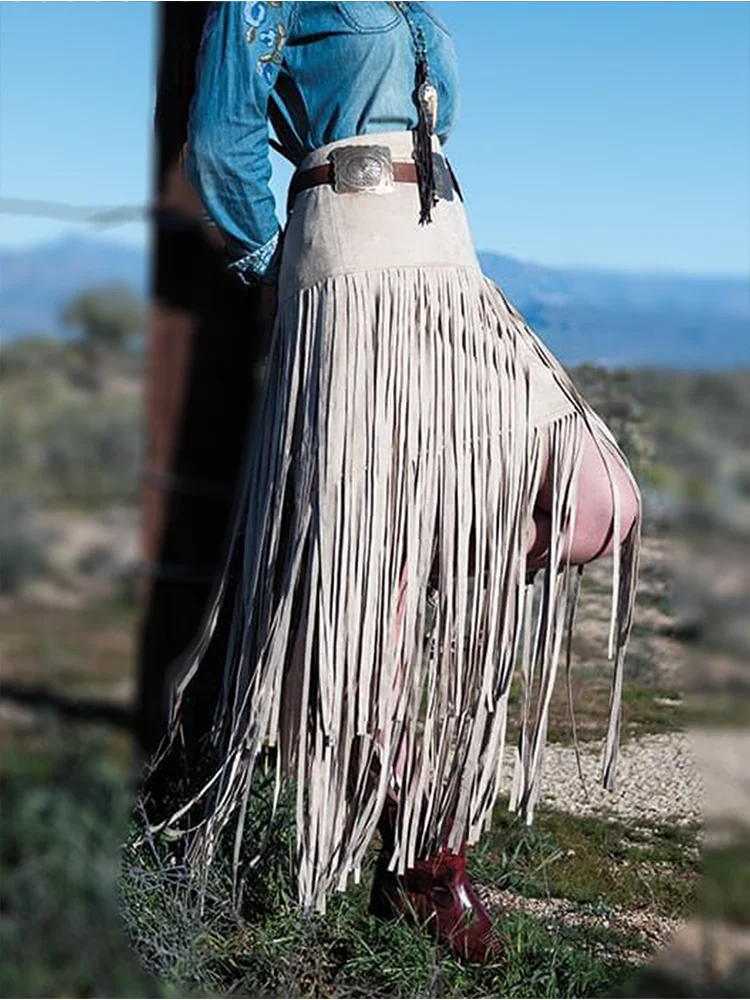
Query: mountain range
[{"x": 617, "y": 319}]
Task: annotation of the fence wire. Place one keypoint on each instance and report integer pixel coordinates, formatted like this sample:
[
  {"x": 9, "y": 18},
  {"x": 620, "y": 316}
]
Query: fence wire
[{"x": 100, "y": 217}]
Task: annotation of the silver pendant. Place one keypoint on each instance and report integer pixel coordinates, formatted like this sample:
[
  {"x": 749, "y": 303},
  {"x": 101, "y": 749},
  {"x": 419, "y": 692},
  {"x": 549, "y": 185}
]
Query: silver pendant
[{"x": 427, "y": 97}]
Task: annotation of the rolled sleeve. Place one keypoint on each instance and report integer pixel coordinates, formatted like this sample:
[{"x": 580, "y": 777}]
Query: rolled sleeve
[{"x": 228, "y": 159}]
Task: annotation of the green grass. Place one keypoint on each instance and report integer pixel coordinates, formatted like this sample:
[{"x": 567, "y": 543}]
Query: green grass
[
  {"x": 658, "y": 599},
  {"x": 66, "y": 798},
  {"x": 348, "y": 953},
  {"x": 645, "y": 709},
  {"x": 72, "y": 927},
  {"x": 652, "y": 710},
  {"x": 593, "y": 861},
  {"x": 65, "y": 807},
  {"x": 654, "y": 983},
  {"x": 725, "y": 890}
]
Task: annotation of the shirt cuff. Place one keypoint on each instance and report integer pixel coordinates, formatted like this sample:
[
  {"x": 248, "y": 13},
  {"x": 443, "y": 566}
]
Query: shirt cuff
[{"x": 260, "y": 266}]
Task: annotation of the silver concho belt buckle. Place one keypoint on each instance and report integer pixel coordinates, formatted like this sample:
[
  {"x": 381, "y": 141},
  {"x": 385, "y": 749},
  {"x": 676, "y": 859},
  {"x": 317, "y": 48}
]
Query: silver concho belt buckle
[{"x": 362, "y": 169}]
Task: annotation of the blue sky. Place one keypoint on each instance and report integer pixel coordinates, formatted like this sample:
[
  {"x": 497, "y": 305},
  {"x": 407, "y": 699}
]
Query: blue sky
[{"x": 614, "y": 135}]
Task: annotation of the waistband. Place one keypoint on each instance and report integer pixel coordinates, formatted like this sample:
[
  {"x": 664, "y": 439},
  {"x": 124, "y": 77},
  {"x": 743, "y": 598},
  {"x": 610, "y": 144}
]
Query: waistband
[
  {"x": 400, "y": 144},
  {"x": 329, "y": 233},
  {"x": 367, "y": 164}
]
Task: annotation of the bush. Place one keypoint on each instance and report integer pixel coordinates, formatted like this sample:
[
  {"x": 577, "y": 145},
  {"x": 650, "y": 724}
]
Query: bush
[
  {"x": 23, "y": 544},
  {"x": 62, "y": 445},
  {"x": 65, "y": 806},
  {"x": 93, "y": 452},
  {"x": 33, "y": 354}
]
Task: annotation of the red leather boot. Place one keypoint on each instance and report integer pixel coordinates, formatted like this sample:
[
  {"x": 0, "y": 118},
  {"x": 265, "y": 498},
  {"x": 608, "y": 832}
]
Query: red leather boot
[{"x": 437, "y": 894}]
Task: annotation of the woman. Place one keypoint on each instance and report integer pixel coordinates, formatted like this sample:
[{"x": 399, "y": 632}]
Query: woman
[{"x": 414, "y": 436}]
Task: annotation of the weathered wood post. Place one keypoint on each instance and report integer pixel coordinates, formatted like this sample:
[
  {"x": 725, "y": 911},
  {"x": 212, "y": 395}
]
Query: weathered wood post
[{"x": 199, "y": 388}]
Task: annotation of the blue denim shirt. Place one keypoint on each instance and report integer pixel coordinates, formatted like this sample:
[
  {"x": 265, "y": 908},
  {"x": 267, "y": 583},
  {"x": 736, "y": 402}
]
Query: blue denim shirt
[{"x": 320, "y": 72}]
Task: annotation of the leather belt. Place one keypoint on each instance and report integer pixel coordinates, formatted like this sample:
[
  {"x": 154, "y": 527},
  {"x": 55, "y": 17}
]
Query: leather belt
[{"x": 403, "y": 173}]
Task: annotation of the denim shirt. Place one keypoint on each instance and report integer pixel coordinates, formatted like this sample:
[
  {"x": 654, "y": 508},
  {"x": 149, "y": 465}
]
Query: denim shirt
[{"x": 320, "y": 72}]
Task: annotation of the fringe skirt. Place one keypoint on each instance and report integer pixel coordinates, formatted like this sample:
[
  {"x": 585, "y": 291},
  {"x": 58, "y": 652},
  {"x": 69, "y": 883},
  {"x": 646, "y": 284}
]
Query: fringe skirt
[{"x": 407, "y": 418}]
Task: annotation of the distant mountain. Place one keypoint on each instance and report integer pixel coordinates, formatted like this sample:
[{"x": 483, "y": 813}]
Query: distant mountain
[
  {"x": 35, "y": 283},
  {"x": 632, "y": 290},
  {"x": 624, "y": 319},
  {"x": 610, "y": 318}
]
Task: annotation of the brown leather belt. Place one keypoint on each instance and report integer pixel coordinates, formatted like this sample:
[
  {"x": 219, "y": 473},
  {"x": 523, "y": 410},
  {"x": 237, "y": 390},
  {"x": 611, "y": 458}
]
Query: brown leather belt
[{"x": 403, "y": 173}]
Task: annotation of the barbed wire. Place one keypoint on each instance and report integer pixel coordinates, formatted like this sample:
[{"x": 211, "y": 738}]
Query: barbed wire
[
  {"x": 95, "y": 215},
  {"x": 101, "y": 217}
]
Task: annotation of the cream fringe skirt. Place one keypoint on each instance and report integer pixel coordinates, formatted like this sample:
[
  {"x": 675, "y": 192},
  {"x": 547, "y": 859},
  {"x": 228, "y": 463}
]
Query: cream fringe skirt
[{"x": 407, "y": 418}]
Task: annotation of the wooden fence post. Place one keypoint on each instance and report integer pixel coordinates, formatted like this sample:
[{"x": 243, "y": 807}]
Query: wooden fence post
[{"x": 201, "y": 355}]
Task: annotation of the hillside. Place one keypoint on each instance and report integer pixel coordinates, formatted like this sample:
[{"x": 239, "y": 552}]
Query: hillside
[
  {"x": 35, "y": 282},
  {"x": 615, "y": 319},
  {"x": 620, "y": 319},
  {"x": 600, "y": 883}
]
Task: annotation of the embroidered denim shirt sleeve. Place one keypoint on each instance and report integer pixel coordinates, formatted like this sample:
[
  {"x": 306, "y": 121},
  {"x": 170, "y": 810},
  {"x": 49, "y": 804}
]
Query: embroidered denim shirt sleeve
[{"x": 228, "y": 158}]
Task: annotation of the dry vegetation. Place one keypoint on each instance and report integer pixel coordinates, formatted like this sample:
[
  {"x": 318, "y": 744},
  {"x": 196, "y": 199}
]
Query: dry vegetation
[{"x": 583, "y": 901}]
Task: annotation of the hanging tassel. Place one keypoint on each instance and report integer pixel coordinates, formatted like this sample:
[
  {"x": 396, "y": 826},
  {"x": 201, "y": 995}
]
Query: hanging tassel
[{"x": 426, "y": 100}]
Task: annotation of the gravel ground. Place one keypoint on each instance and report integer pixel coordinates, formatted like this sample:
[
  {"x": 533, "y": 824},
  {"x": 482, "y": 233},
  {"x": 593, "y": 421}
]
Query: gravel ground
[
  {"x": 667, "y": 777},
  {"x": 658, "y": 779},
  {"x": 654, "y": 931},
  {"x": 697, "y": 777}
]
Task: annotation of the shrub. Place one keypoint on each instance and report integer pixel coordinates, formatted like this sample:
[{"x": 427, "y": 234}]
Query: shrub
[
  {"x": 32, "y": 354},
  {"x": 22, "y": 544}
]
